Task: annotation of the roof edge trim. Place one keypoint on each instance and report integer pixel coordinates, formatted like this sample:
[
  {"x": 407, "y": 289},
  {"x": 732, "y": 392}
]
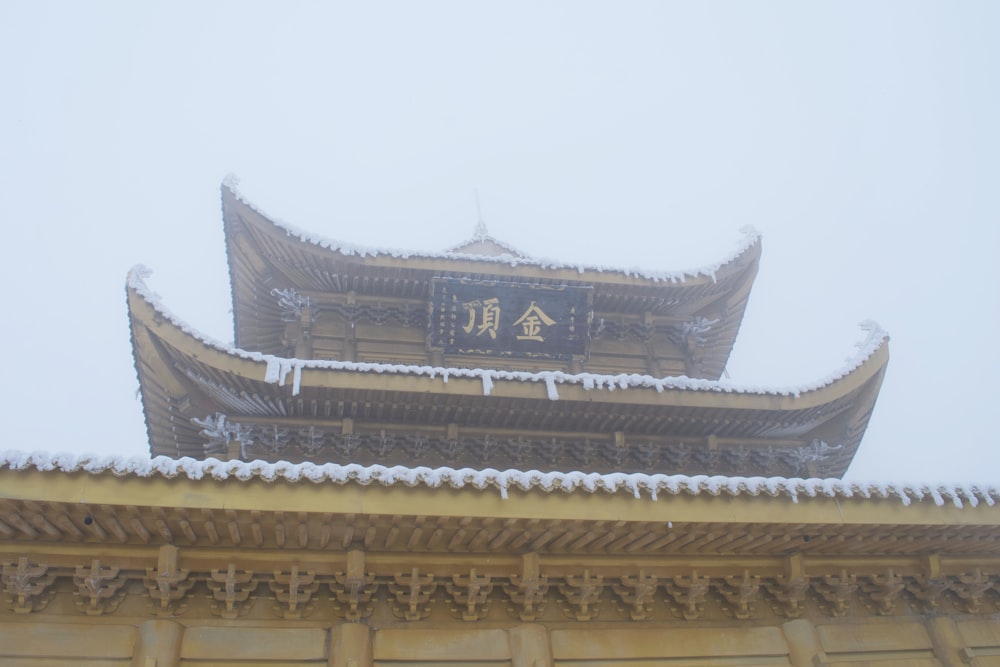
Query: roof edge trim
[
  {"x": 751, "y": 238},
  {"x": 635, "y": 484},
  {"x": 278, "y": 368}
]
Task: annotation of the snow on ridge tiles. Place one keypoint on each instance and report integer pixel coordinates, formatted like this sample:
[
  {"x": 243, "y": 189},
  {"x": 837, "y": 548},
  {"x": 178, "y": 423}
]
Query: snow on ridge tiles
[
  {"x": 635, "y": 484},
  {"x": 277, "y": 368},
  {"x": 750, "y": 238}
]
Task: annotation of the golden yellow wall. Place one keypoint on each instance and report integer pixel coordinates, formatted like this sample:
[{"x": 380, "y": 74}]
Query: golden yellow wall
[{"x": 927, "y": 642}]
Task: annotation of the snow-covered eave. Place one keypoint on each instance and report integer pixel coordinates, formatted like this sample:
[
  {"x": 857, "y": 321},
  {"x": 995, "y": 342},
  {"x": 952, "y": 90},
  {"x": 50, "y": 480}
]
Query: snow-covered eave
[
  {"x": 637, "y": 485},
  {"x": 747, "y": 248},
  {"x": 277, "y": 369}
]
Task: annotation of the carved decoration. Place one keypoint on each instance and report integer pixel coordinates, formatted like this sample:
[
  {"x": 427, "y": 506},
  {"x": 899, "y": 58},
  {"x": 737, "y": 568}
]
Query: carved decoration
[
  {"x": 353, "y": 590},
  {"x": 637, "y": 594},
  {"x": 583, "y": 595},
  {"x": 413, "y": 595},
  {"x": 527, "y": 595},
  {"x": 27, "y": 585},
  {"x": 789, "y": 592},
  {"x": 291, "y": 303},
  {"x": 353, "y": 595},
  {"x": 231, "y": 592},
  {"x": 883, "y": 591},
  {"x": 969, "y": 590},
  {"x": 859, "y": 586},
  {"x": 741, "y": 594},
  {"x": 98, "y": 590},
  {"x": 837, "y": 591},
  {"x": 470, "y": 595},
  {"x": 380, "y": 314},
  {"x": 927, "y": 591},
  {"x": 689, "y": 594},
  {"x": 271, "y": 441},
  {"x": 167, "y": 590},
  {"x": 527, "y": 590},
  {"x": 294, "y": 593}
]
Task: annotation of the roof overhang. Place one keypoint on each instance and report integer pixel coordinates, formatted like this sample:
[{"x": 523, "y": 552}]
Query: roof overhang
[{"x": 184, "y": 377}]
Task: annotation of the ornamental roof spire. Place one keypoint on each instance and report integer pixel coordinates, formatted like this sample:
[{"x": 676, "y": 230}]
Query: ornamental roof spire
[
  {"x": 480, "y": 233},
  {"x": 482, "y": 243}
]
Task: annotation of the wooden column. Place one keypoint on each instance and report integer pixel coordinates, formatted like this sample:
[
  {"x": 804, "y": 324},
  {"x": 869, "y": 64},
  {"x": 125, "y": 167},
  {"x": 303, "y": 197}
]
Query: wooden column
[
  {"x": 303, "y": 343},
  {"x": 804, "y": 649},
  {"x": 529, "y": 646},
  {"x": 159, "y": 644},
  {"x": 947, "y": 641},
  {"x": 350, "y": 645}
]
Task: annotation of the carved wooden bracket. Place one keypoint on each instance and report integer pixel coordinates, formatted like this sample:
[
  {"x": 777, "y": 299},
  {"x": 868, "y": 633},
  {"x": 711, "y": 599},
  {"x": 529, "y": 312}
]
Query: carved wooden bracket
[
  {"x": 412, "y": 595},
  {"x": 970, "y": 588},
  {"x": 167, "y": 585},
  {"x": 883, "y": 591},
  {"x": 527, "y": 590},
  {"x": 689, "y": 594},
  {"x": 98, "y": 590},
  {"x": 862, "y": 588},
  {"x": 928, "y": 592},
  {"x": 837, "y": 591},
  {"x": 583, "y": 595},
  {"x": 231, "y": 592},
  {"x": 636, "y": 595},
  {"x": 470, "y": 595},
  {"x": 354, "y": 589},
  {"x": 354, "y": 595},
  {"x": 789, "y": 593},
  {"x": 741, "y": 594},
  {"x": 294, "y": 593},
  {"x": 27, "y": 585}
]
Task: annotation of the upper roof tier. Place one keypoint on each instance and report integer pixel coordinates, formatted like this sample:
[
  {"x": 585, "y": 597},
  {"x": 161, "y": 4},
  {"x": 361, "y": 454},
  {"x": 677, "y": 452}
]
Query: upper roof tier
[
  {"x": 298, "y": 295},
  {"x": 202, "y": 398}
]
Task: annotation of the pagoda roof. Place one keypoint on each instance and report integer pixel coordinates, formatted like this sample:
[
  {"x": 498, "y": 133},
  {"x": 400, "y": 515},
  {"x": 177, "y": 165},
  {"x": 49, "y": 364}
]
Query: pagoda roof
[
  {"x": 265, "y": 254},
  {"x": 135, "y": 501},
  {"x": 187, "y": 379}
]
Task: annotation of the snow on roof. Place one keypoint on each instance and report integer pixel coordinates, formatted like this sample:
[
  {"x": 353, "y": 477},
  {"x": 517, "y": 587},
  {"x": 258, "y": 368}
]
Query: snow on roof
[
  {"x": 502, "y": 480},
  {"x": 278, "y": 368},
  {"x": 481, "y": 237},
  {"x": 751, "y": 237}
]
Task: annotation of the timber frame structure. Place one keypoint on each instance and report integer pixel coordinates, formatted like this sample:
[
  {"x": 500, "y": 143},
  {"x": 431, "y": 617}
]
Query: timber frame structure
[
  {"x": 637, "y": 391},
  {"x": 233, "y": 564},
  {"x": 476, "y": 458}
]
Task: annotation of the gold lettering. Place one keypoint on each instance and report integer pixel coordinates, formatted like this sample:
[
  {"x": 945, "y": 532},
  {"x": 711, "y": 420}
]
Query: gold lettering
[
  {"x": 531, "y": 323},
  {"x": 488, "y": 311}
]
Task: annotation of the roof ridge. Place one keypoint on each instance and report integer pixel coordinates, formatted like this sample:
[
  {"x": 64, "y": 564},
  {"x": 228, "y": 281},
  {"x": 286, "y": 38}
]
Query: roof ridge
[{"x": 750, "y": 238}]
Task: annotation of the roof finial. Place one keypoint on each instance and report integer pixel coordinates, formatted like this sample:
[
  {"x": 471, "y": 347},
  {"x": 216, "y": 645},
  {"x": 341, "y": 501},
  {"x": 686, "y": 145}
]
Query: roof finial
[{"x": 480, "y": 234}]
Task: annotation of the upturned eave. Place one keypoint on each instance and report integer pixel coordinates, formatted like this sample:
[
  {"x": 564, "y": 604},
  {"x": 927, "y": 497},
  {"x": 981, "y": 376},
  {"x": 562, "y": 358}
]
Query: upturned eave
[
  {"x": 179, "y": 371},
  {"x": 264, "y": 254}
]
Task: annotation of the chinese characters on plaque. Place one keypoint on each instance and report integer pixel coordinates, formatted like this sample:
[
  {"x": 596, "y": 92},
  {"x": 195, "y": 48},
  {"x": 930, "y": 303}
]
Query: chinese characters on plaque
[{"x": 509, "y": 319}]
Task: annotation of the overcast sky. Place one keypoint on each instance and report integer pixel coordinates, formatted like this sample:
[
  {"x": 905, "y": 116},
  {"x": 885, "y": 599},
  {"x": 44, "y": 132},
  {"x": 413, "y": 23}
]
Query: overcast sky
[{"x": 861, "y": 139}]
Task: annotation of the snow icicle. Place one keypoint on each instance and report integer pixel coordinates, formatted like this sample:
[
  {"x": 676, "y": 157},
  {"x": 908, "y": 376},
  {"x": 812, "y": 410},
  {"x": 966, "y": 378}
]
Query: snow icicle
[{"x": 272, "y": 372}]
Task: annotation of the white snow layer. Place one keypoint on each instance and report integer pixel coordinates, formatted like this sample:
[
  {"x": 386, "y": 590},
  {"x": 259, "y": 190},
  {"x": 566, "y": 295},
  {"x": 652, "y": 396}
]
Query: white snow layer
[
  {"x": 634, "y": 484},
  {"x": 751, "y": 237},
  {"x": 276, "y": 369}
]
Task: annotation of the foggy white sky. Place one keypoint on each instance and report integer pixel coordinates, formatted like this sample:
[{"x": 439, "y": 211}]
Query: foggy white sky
[{"x": 860, "y": 138}]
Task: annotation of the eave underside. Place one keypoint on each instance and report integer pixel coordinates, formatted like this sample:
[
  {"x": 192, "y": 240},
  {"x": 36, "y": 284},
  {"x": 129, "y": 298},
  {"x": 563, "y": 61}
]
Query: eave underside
[
  {"x": 49, "y": 507},
  {"x": 164, "y": 546},
  {"x": 366, "y": 417}
]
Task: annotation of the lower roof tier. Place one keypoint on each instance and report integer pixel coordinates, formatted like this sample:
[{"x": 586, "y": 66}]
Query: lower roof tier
[{"x": 204, "y": 399}]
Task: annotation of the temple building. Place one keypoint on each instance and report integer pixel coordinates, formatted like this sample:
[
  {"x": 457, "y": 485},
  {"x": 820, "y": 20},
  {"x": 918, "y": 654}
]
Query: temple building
[{"x": 479, "y": 458}]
